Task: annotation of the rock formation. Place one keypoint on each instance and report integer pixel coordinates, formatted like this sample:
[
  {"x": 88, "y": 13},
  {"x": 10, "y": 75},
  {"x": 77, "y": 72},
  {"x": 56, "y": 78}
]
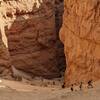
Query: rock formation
[
  {"x": 32, "y": 38},
  {"x": 80, "y": 35},
  {"x": 5, "y": 63},
  {"x": 29, "y": 32}
]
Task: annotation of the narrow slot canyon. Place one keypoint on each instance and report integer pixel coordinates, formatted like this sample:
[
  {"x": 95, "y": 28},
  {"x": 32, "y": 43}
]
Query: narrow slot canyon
[
  {"x": 49, "y": 49},
  {"x": 46, "y": 36}
]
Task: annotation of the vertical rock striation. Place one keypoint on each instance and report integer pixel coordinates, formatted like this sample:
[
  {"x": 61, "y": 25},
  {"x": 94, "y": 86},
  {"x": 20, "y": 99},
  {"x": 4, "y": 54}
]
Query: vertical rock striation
[
  {"x": 80, "y": 35},
  {"x": 5, "y": 63}
]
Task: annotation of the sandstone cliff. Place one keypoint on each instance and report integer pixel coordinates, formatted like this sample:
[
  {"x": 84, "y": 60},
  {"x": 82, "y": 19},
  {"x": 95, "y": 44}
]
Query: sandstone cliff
[
  {"x": 5, "y": 64},
  {"x": 32, "y": 38},
  {"x": 32, "y": 34},
  {"x": 80, "y": 35}
]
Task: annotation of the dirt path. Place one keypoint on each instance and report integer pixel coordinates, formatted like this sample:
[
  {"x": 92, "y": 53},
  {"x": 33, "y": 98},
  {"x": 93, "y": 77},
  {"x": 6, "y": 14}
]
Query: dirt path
[{"x": 11, "y": 90}]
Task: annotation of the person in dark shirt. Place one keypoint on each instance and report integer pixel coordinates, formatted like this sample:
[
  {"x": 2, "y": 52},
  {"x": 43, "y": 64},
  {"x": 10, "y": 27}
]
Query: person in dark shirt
[
  {"x": 63, "y": 86},
  {"x": 90, "y": 84},
  {"x": 81, "y": 84},
  {"x": 72, "y": 89}
]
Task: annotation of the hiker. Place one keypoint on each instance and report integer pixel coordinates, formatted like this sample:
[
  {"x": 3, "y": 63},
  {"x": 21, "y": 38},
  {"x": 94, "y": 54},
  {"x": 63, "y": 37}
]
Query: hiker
[
  {"x": 72, "y": 88},
  {"x": 53, "y": 82},
  {"x": 90, "y": 84},
  {"x": 63, "y": 86},
  {"x": 81, "y": 86}
]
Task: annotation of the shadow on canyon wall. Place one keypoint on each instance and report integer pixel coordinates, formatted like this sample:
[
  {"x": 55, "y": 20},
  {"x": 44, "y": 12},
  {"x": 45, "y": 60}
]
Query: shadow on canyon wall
[{"x": 33, "y": 41}]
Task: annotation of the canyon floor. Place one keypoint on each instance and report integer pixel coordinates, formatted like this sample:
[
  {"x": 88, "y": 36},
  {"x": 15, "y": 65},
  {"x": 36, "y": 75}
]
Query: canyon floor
[{"x": 13, "y": 90}]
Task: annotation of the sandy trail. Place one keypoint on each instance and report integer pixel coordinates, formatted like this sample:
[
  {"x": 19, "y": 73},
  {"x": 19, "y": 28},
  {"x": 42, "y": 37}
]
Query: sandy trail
[{"x": 12, "y": 90}]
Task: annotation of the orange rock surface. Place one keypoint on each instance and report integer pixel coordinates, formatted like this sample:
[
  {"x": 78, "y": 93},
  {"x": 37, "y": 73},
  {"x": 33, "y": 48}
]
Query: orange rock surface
[{"x": 80, "y": 34}]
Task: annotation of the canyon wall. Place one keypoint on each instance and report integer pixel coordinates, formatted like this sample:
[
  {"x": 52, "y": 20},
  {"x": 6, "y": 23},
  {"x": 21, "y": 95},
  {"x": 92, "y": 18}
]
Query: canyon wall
[
  {"x": 32, "y": 34},
  {"x": 32, "y": 38},
  {"x": 59, "y": 9},
  {"x": 80, "y": 35},
  {"x": 5, "y": 63}
]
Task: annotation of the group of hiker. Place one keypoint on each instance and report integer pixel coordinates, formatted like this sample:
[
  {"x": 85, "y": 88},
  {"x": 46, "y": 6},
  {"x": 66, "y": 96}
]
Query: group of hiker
[{"x": 90, "y": 85}]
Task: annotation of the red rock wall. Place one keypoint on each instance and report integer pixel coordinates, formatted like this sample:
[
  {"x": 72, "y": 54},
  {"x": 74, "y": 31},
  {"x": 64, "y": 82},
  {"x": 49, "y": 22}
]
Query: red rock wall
[
  {"x": 5, "y": 64},
  {"x": 32, "y": 30},
  {"x": 80, "y": 34},
  {"x": 33, "y": 42},
  {"x": 32, "y": 39}
]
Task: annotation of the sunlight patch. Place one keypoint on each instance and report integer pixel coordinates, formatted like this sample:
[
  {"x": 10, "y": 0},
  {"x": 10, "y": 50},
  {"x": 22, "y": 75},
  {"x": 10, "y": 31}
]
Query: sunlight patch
[{"x": 38, "y": 3}]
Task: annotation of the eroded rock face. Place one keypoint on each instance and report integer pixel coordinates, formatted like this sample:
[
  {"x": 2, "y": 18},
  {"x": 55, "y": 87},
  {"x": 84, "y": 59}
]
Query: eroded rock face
[
  {"x": 80, "y": 34},
  {"x": 32, "y": 37},
  {"x": 4, "y": 60}
]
